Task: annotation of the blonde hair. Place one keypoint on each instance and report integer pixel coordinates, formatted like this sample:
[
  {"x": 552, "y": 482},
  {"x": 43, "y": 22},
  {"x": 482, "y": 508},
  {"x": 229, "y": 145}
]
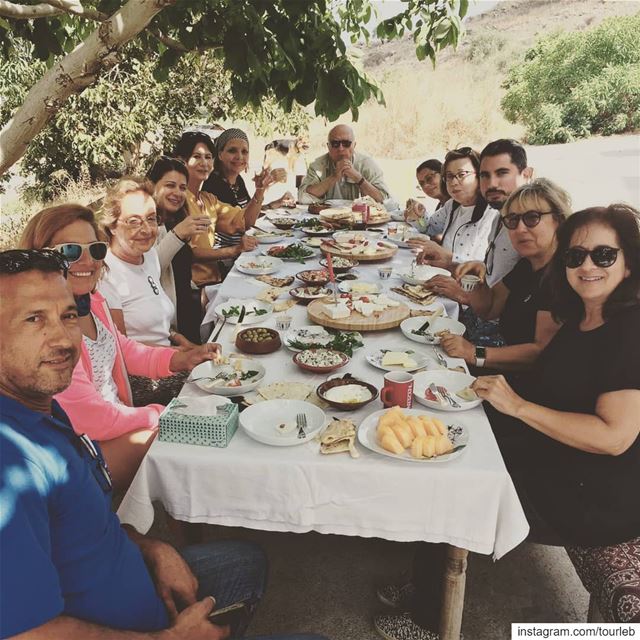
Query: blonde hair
[
  {"x": 39, "y": 232},
  {"x": 541, "y": 189},
  {"x": 111, "y": 207}
]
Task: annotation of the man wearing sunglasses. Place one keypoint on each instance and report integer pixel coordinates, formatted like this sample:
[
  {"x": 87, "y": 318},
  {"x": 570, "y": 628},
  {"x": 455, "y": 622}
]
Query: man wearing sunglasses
[
  {"x": 342, "y": 173},
  {"x": 69, "y": 570}
]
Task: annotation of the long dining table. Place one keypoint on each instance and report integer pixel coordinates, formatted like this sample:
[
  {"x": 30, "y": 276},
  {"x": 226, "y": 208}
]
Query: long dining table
[{"x": 469, "y": 502}]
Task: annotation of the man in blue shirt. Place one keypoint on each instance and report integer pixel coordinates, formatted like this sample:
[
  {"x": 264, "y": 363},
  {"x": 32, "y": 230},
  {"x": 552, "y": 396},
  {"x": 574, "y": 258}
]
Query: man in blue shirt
[{"x": 68, "y": 569}]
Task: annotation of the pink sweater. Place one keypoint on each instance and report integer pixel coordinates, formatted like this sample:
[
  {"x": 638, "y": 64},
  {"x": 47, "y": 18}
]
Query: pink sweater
[{"x": 88, "y": 411}]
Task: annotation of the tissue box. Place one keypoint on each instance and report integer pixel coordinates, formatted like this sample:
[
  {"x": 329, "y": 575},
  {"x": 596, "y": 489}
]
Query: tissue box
[{"x": 194, "y": 421}]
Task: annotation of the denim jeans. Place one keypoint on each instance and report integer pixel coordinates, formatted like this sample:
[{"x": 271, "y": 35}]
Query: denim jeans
[{"x": 233, "y": 571}]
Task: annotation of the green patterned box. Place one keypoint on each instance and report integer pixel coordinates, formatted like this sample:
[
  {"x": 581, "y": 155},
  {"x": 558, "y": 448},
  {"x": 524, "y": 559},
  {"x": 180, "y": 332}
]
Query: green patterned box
[{"x": 214, "y": 430}]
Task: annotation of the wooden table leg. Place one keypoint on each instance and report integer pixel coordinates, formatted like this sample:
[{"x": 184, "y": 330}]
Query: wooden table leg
[{"x": 455, "y": 577}]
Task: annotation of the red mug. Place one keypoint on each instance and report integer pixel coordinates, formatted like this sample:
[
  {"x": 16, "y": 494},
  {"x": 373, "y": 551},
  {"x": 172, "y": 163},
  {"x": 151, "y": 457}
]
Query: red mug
[{"x": 397, "y": 390}]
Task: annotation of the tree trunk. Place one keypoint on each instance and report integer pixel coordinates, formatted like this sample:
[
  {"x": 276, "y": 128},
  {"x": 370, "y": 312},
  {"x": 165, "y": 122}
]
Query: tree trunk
[{"x": 72, "y": 74}]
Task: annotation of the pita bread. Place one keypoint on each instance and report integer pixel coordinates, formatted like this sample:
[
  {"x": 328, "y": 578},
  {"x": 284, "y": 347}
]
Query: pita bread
[
  {"x": 284, "y": 305},
  {"x": 285, "y": 391},
  {"x": 271, "y": 294},
  {"x": 276, "y": 282},
  {"x": 339, "y": 436}
]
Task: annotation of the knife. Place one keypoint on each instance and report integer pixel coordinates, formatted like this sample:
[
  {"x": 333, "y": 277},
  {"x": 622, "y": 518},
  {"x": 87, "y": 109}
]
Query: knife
[{"x": 214, "y": 337}]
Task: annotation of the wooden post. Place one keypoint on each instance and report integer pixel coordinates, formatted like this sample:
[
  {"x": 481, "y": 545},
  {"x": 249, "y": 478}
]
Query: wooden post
[{"x": 455, "y": 577}]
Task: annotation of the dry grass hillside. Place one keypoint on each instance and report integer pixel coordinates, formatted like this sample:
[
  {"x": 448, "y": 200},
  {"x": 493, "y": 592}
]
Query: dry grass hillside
[{"x": 431, "y": 110}]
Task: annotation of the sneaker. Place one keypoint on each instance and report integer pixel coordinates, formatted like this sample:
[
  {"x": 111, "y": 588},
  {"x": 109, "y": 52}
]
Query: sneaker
[
  {"x": 401, "y": 627},
  {"x": 396, "y": 596}
]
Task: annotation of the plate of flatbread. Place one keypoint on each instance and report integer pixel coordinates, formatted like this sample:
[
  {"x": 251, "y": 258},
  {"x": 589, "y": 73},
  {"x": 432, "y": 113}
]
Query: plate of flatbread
[{"x": 276, "y": 282}]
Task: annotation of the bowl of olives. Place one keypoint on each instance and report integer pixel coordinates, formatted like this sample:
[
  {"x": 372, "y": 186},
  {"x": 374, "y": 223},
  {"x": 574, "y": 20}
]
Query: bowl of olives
[{"x": 258, "y": 340}]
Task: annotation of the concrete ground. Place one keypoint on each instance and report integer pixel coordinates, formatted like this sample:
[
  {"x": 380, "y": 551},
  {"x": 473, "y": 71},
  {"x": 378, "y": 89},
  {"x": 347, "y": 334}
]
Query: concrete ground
[{"x": 326, "y": 584}]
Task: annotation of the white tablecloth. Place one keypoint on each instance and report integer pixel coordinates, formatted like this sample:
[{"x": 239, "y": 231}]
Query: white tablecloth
[{"x": 469, "y": 502}]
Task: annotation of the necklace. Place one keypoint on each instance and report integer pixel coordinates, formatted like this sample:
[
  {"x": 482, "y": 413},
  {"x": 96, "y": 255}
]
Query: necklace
[{"x": 235, "y": 188}]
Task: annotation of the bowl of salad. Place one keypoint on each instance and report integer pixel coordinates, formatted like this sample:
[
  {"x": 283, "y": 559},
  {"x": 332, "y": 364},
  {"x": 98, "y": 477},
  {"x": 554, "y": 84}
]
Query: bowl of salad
[
  {"x": 320, "y": 360},
  {"x": 295, "y": 252}
]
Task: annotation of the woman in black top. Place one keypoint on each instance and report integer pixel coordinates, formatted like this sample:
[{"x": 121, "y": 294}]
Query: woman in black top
[
  {"x": 532, "y": 215},
  {"x": 572, "y": 443},
  {"x": 170, "y": 177}
]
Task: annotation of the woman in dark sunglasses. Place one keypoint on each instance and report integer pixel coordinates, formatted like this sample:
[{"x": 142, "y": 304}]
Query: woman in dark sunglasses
[
  {"x": 99, "y": 399},
  {"x": 532, "y": 216},
  {"x": 569, "y": 431}
]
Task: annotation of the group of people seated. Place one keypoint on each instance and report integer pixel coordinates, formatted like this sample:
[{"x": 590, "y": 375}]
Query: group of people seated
[{"x": 100, "y": 326}]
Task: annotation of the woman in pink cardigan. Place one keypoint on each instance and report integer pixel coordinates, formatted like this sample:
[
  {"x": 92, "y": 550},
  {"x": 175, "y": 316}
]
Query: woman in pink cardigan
[{"x": 98, "y": 401}]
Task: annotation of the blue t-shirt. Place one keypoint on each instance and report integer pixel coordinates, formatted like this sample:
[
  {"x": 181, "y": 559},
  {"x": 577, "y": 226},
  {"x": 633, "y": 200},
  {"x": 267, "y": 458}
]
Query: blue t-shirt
[{"x": 62, "y": 549}]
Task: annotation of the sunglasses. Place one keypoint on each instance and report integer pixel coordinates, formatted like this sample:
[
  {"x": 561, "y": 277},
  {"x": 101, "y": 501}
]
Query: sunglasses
[
  {"x": 530, "y": 218},
  {"x": 21, "y": 260},
  {"x": 601, "y": 256},
  {"x": 72, "y": 251},
  {"x": 335, "y": 144}
]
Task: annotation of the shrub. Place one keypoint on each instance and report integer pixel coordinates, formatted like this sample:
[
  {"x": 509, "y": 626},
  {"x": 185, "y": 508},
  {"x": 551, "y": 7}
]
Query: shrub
[{"x": 572, "y": 85}]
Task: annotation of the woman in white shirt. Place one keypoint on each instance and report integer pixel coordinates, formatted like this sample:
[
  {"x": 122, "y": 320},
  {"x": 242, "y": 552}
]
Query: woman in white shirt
[{"x": 465, "y": 221}]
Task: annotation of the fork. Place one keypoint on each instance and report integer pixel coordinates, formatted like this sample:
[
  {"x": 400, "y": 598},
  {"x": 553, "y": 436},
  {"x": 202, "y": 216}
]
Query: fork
[
  {"x": 445, "y": 392},
  {"x": 301, "y": 421}
]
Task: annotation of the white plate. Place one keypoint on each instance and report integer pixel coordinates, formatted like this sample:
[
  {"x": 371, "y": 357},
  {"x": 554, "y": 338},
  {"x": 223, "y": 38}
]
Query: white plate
[
  {"x": 299, "y": 293},
  {"x": 375, "y": 358},
  {"x": 314, "y": 243},
  {"x": 259, "y": 421},
  {"x": 317, "y": 232},
  {"x": 271, "y": 265},
  {"x": 422, "y": 273},
  {"x": 458, "y": 434},
  {"x": 314, "y": 252},
  {"x": 346, "y": 236},
  {"x": 401, "y": 239},
  {"x": 250, "y": 305},
  {"x": 436, "y": 325},
  {"x": 454, "y": 381},
  {"x": 304, "y": 333},
  {"x": 281, "y": 213},
  {"x": 210, "y": 369},
  {"x": 271, "y": 239},
  {"x": 347, "y": 285}
]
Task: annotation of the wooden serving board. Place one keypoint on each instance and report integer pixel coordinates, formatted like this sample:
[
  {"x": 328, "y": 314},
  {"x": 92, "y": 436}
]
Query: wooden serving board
[
  {"x": 381, "y": 255},
  {"x": 387, "y": 319}
]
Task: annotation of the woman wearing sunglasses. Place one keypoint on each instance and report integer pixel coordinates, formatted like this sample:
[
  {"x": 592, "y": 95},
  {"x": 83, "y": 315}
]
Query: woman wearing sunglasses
[
  {"x": 532, "y": 215},
  {"x": 177, "y": 228},
  {"x": 569, "y": 430},
  {"x": 211, "y": 260},
  {"x": 99, "y": 400}
]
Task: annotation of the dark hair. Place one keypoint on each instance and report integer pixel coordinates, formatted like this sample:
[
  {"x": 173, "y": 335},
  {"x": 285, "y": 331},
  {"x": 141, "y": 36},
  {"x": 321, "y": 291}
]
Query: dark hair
[
  {"x": 458, "y": 154},
  {"x": 163, "y": 165},
  {"x": 188, "y": 141},
  {"x": 22, "y": 260},
  {"x": 432, "y": 163},
  {"x": 566, "y": 304},
  {"x": 515, "y": 150}
]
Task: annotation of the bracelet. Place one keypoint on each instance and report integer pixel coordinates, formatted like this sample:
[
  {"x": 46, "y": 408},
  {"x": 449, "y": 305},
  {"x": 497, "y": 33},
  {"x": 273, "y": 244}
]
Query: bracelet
[
  {"x": 359, "y": 183},
  {"x": 181, "y": 240}
]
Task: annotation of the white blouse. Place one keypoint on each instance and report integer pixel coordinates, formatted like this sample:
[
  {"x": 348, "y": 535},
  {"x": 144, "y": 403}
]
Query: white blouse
[{"x": 102, "y": 352}]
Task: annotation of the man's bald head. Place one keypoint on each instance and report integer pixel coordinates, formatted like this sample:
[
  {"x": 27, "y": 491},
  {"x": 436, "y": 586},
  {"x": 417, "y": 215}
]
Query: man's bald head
[{"x": 341, "y": 142}]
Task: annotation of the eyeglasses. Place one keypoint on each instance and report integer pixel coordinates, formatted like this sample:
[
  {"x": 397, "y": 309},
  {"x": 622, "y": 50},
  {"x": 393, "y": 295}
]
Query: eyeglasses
[
  {"x": 335, "y": 144},
  {"x": 135, "y": 222},
  {"x": 601, "y": 256},
  {"x": 429, "y": 179},
  {"x": 72, "y": 251},
  {"x": 460, "y": 176},
  {"x": 21, "y": 260},
  {"x": 153, "y": 285},
  {"x": 530, "y": 218}
]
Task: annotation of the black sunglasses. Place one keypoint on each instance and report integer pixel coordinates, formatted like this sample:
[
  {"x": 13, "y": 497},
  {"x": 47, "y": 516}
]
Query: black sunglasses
[
  {"x": 530, "y": 218},
  {"x": 72, "y": 251},
  {"x": 335, "y": 144},
  {"x": 20, "y": 260},
  {"x": 601, "y": 256}
]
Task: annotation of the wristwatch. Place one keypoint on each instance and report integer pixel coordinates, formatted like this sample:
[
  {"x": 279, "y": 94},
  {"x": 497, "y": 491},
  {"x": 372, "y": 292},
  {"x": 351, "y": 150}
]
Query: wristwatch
[
  {"x": 481, "y": 356},
  {"x": 359, "y": 183}
]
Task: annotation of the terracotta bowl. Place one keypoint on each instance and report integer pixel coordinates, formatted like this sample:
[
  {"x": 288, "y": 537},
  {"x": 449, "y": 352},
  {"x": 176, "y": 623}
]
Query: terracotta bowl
[
  {"x": 305, "y": 277},
  {"x": 320, "y": 369},
  {"x": 246, "y": 345}
]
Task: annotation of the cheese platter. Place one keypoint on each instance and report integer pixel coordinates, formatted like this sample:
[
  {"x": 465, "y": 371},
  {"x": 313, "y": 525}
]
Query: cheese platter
[{"x": 364, "y": 250}]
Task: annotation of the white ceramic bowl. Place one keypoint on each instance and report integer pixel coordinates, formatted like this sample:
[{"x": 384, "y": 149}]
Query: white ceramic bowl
[
  {"x": 271, "y": 265},
  {"x": 210, "y": 369},
  {"x": 260, "y": 421},
  {"x": 454, "y": 381},
  {"x": 422, "y": 273},
  {"x": 435, "y": 325}
]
